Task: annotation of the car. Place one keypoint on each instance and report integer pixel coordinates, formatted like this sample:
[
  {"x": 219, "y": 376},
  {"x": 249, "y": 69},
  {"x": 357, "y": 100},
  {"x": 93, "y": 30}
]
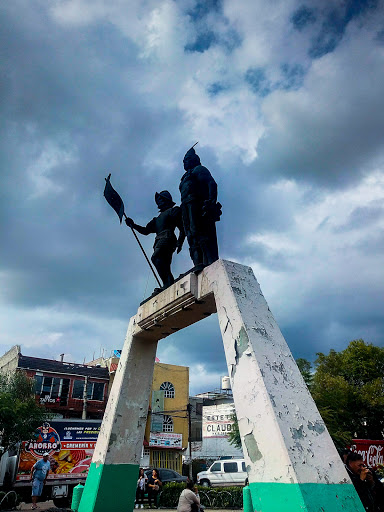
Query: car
[
  {"x": 167, "y": 475},
  {"x": 224, "y": 473}
]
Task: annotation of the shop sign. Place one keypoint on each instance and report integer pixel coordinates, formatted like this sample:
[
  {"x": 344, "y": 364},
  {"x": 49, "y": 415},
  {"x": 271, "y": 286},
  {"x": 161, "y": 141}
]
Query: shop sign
[
  {"x": 218, "y": 420},
  {"x": 165, "y": 440},
  {"x": 371, "y": 451}
]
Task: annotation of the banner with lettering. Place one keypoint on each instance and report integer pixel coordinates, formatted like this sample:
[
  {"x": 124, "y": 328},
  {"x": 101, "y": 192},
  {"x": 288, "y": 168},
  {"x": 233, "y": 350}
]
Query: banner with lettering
[
  {"x": 371, "y": 451},
  {"x": 217, "y": 420},
  {"x": 70, "y": 445}
]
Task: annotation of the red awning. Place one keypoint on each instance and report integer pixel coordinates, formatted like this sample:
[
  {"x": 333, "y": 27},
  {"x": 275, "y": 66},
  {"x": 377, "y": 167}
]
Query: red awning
[{"x": 113, "y": 367}]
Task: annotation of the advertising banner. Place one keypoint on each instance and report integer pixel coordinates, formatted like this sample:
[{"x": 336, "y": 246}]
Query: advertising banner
[
  {"x": 217, "y": 420},
  {"x": 165, "y": 440},
  {"x": 70, "y": 445},
  {"x": 371, "y": 451}
]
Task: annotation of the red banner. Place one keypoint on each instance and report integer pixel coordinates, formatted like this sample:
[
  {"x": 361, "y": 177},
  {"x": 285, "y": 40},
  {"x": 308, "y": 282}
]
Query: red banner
[{"x": 371, "y": 451}]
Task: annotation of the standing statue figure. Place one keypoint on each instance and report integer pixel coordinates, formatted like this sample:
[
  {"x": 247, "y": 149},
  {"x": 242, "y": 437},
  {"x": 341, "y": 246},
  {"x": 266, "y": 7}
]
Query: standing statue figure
[
  {"x": 165, "y": 242},
  {"x": 200, "y": 211}
]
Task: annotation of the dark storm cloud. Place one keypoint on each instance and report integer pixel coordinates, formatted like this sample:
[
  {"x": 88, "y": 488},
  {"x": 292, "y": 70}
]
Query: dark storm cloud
[{"x": 85, "y": 95}]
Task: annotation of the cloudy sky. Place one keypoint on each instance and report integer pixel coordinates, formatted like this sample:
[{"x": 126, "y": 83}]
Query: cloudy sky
[{"x": 286, "y": 100}]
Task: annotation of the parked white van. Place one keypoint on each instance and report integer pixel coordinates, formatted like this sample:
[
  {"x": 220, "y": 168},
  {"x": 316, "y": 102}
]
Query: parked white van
[{"x": 224, "y": 473}]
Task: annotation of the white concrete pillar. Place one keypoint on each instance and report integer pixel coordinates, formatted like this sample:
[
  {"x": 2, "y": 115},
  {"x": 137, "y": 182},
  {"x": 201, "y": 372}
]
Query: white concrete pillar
[
  {"x": 112, "y": 477},
  {"x": 291, "y": 460}
]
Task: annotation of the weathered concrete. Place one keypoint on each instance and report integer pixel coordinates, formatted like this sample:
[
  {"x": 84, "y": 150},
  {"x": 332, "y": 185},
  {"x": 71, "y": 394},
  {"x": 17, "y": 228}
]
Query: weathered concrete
[{"x": 291, "y": 461}]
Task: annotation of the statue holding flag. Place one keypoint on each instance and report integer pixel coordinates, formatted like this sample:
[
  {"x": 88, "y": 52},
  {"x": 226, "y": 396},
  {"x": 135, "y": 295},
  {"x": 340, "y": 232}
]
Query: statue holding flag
[
  {"x": 165, "y": 242},
  {"x": 163, "y": 225}
]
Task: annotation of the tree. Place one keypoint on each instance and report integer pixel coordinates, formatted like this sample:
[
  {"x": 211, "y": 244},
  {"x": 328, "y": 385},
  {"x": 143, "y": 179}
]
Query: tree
[
  {"x": 234, "y": 434},
  {"x": 20, "y": 414},
  {"x": 305, "y": 368},
  {"x": 348, "y": 388}
]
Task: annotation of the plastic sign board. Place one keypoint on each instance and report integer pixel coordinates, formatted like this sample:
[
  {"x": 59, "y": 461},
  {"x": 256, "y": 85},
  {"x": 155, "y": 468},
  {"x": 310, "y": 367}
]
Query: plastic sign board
[{"x": 165, "y": 440}]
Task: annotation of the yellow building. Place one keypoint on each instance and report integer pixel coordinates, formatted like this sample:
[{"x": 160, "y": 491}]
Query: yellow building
[{"x": 166, "y": 432}]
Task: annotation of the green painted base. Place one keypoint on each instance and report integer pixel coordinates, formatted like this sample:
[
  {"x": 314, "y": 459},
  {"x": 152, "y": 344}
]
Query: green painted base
[
  {"x": 276, "y": 497},
  {"x": 110, "y": 488}
]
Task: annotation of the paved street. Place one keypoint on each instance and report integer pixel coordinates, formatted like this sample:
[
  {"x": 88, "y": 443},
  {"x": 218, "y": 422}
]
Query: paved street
[{"x": 47, "y": 505}]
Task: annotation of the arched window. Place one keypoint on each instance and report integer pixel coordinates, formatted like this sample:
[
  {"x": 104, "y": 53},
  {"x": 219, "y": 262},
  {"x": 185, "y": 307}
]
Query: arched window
[
  {"x": 167, "y": 424},
  {"x": 169, "y": 390}
]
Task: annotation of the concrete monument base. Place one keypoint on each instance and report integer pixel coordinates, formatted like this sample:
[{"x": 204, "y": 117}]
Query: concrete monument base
[{"x": 292, "y": 463}]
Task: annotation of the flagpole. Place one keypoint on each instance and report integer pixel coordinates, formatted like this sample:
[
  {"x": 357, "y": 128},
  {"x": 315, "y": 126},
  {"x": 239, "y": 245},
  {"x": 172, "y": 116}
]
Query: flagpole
[{"x": 146, "y": 257}]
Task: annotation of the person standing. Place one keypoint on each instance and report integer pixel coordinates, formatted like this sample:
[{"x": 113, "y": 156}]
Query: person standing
[
  {"x": 140, "y": 489},
  {"x": 154, "y": 484},
  {"x": 39, "y": 476},
  {"x": 189, "y": 500}
]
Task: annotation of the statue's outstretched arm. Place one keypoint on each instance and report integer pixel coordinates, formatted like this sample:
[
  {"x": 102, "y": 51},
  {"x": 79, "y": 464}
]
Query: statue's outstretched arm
[{"x": 140, "y": 229}]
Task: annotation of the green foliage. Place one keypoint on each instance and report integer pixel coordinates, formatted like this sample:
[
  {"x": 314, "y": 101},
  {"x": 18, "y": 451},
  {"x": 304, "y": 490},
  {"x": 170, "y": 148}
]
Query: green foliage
[
  {"x": 305, "y": 368},
  {"x": 20, "y": 415},
  {"x": 234, "y": 435},
  {"x": 219, "y": 497},
  {"x": 348, "y": 388}
]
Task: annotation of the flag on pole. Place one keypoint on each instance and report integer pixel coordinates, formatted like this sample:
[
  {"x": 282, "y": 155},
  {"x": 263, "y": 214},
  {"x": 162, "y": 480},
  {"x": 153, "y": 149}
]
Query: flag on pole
[{"x": 113, "y": 198}]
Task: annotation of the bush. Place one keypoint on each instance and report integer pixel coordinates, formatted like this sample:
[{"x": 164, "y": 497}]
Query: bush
[{"x": 219, "y": 497}]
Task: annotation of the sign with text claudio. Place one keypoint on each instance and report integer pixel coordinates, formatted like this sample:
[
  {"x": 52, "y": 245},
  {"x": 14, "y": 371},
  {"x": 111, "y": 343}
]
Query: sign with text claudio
[{"x": 217, "y": 420}]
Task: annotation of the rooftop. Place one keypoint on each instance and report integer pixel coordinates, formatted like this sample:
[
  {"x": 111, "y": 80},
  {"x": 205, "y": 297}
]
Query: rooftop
[{"x": 50, "y": 365}]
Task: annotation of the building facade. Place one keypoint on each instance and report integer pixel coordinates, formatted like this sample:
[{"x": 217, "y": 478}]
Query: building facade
[
  {"x": 212, "y": 420},
  {"x": 59, "y": 385},
  {"x": 166, "y": 433}
]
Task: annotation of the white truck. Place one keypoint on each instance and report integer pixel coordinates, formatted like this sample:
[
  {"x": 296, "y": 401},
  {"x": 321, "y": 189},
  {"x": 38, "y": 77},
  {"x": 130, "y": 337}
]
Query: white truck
[{"x": 70, "y": 444}]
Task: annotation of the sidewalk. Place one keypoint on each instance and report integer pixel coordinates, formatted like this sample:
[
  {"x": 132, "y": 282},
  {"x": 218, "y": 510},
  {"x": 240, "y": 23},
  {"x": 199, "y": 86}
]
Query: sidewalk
[{"x": 48, "y": 505}]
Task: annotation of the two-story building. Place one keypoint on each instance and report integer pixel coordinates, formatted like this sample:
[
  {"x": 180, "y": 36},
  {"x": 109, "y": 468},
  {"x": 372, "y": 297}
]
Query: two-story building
[
  {"x": 59, "y": 385},
  {"x": 166, "y": 433}
]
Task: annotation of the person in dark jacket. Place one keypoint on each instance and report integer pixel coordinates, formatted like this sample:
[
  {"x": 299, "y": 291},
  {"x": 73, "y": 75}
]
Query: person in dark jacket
[
  {"x": 367, "y": 484},
  {"x": 154, "y": 486}
]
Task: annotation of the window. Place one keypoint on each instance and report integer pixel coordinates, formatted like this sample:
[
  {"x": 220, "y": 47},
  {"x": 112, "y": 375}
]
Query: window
[
  {"x": 216, "y": 466},
  {"x": 78, "y": 389},
  {"x": 52, "y": 387},
  {"x": 169, "y": 390},
  {"x": 230, "y": 467},
  {"x": 167, "y": 424},
  {"x": 243, "y": 468},
  {"x": 167, "y": 474},
  {"x": 95, "y": 390}
]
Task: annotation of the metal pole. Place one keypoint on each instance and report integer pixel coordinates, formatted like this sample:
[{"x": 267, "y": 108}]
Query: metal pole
[
  {"x": 189, "y": 407},
  {"x": 85, "y": 397},
  {"x": 146, "y": 257}
]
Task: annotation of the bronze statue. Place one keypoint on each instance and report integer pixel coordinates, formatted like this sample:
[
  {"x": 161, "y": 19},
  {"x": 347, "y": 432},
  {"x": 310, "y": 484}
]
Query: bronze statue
[
  {"x": 200, "y": 211},
  {"x": 165, "y": 242}
]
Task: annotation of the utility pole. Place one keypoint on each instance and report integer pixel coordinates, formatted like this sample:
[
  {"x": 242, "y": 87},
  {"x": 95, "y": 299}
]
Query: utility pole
[
  {"x": 189, "y": 408},
  {"x": 85, "y": 398}
]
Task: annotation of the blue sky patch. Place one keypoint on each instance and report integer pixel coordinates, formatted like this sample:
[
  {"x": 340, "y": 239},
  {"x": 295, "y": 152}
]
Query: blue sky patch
[
  {"x": 202, "y": 42},
  {"x": 258, "y": 82},
  {"x": 335, "y": 23},
  {"x": 303, "y": 17}
]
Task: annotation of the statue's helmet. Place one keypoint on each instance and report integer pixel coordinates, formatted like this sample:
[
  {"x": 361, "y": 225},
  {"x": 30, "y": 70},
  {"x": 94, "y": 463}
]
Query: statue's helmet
[
  {"x": 191, "y": 158},
  {"x": 164, "y": 195}
]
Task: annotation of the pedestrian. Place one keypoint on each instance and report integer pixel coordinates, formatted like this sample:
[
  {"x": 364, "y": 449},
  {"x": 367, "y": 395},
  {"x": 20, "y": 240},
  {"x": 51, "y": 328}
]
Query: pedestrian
[
  {"x": 367, "y": 484},
  {"x": 154, "y": 484},
  {"x": 189, "y": 500},
  {"x": 140, "y": 488},
  {"x": 39, "y": 476}
]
